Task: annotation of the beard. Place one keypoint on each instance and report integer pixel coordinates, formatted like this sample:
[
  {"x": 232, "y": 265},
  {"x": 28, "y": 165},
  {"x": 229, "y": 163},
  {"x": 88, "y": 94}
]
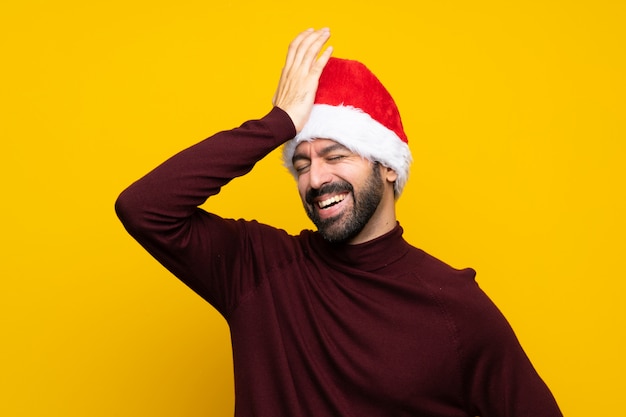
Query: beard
[{"x": 348, "y": 224}]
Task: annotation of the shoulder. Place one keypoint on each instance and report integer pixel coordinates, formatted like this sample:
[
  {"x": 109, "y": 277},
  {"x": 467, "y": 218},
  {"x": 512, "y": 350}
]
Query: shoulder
[
  {"x": 260, "y": 242},
  {"x": 439, "y": 274},
  {"x": 474, "y": 316},
  {"x": 260, "y": 236}
]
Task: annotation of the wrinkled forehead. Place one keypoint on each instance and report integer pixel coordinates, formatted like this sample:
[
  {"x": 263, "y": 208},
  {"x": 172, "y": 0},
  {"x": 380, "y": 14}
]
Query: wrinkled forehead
[{"x": 319, "y": 146}]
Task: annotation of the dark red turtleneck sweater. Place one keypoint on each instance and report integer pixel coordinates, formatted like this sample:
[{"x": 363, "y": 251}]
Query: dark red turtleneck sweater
[{"x": 378, "y": 329}]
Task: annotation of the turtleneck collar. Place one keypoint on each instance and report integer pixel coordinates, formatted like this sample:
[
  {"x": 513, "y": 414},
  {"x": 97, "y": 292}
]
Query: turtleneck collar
[{"x": 369, "y": 256}]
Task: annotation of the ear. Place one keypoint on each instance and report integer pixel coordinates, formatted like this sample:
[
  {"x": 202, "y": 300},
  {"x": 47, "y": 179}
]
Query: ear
[{"x": 390, "y": 174}]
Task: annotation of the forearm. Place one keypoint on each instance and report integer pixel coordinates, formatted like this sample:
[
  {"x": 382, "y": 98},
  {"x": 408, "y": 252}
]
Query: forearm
[
  {"x": 161, "y": 209},
  {"x": 165, "y": 198}
]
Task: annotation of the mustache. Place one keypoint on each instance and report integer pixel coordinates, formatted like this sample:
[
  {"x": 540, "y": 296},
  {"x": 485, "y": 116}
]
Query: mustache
[{"x": 334, "y": 187}]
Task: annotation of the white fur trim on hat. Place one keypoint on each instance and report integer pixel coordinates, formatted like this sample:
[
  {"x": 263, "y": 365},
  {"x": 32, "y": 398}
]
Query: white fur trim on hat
[{"x": 360, "y": 133}]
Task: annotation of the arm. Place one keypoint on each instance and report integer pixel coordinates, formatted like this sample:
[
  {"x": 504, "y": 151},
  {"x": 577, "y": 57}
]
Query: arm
[
  {"x": 161, "y": 210},
  {"x": 499, "y": 377}
]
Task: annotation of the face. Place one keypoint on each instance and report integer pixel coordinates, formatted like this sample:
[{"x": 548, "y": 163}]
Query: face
[{"x": 340, "y": 190}]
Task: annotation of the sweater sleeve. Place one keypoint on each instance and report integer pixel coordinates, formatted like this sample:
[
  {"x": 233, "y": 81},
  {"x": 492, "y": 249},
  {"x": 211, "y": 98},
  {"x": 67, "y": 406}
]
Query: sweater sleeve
[
  {"x": 161, "y": 210},
  {"x": 499, "y": 377}
]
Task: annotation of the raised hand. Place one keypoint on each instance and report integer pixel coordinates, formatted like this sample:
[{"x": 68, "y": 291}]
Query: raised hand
[{"x": 300, "y": 75}]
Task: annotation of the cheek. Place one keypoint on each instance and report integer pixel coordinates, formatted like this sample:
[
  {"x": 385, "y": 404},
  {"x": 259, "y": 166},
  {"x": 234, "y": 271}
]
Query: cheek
[{"x": 302, "y": 187}]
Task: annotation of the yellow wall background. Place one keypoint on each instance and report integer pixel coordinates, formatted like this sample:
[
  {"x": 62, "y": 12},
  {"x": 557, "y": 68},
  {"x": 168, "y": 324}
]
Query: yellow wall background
[{"x": 516, "y": 117}]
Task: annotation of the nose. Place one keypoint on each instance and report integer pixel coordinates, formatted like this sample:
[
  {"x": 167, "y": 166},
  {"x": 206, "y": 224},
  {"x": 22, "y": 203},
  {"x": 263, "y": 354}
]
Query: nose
[{"x": 319, "y": 174}]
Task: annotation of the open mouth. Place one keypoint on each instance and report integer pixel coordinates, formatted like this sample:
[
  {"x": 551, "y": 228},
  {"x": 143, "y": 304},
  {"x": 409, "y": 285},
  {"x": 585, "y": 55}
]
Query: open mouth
[{"x": 331, "y": 201}]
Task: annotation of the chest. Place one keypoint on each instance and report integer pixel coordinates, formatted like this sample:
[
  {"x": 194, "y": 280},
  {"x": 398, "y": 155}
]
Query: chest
[{"x": 378, "y": 339}]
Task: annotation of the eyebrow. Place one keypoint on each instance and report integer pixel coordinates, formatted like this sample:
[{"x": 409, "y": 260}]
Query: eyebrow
[{"x": 323, "y": 152}]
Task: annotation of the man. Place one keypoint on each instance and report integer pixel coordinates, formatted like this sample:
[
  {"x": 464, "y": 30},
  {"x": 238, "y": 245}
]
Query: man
[{"x": 348, "y": 321}]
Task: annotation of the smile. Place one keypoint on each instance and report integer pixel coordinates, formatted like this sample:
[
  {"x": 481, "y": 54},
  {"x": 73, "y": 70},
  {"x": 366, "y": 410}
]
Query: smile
[{"x": 329, "y": 202}]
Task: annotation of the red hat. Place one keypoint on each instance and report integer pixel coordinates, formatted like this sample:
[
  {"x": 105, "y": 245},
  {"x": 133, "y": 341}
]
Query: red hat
[{"x": 352, "y": 107}]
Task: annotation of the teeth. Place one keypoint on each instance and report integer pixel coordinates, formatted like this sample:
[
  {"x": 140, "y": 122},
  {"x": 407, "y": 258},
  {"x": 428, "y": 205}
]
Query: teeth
[{"x": 331, "y": 200}]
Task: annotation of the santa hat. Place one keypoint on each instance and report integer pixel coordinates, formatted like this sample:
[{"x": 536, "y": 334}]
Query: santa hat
[{"x": 352, "y": 107}]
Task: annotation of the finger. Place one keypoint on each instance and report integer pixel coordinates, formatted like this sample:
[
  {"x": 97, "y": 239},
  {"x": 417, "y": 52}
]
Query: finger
[
  {"x": 301, "y": 56},
  {"x": 320, "y": 63},
  {"x": 300, "y": 75},
  {"x": 313, "y": 51},
  {"x": 308, "y": 46},
  {"x": 293, "y": 46}
]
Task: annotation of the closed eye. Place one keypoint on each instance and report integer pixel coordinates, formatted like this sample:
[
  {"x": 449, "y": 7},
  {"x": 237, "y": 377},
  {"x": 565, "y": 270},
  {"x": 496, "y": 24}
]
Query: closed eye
[
  {"x": 335, "y": 158},
  {"x": 301, "y": 167}
]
